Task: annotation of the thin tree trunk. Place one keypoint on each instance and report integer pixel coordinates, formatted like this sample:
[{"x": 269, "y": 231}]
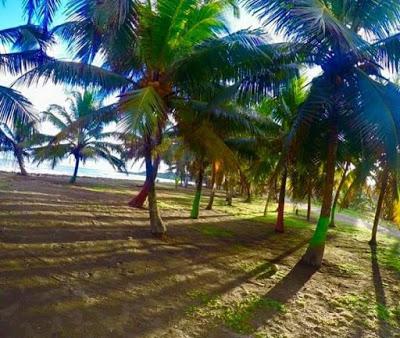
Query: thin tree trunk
[
  {"x": 20, "y": 159},
  {"x": 279, "y": 227},
  {"x": 316, "y": 248},
  {"x": 309, "y": 202},
  {"x": 267, "y": 204},
  {"x": 73, "y": 178},
  {"x": 378, "y": 211},
  {"x": 213, "y": 186},
  {"x": 229, "y": 194},
  {"x": 339, "y": 189},
  {"x": 199, "y": 186}
]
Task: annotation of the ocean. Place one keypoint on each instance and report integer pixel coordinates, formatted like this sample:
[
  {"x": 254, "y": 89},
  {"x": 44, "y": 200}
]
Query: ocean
[{"x": 91, "y": 169}]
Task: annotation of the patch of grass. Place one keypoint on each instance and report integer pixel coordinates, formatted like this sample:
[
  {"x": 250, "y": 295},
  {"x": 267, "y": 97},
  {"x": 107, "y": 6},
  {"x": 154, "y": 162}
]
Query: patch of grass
[
  {"x": 215, "y": 231},
  {"x": 390, "y": 258},
  {"x": 238, "y": 315},
  {"x": 291, "y": 221},
  {"x": 261, "y": 270},
  {"x": 349, "y": 269},
  {"x": 235, "y": 315}
]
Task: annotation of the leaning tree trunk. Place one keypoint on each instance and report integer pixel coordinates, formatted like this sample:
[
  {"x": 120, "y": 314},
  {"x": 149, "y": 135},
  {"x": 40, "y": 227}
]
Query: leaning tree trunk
[
  {"x": 213, "y": 186},
  {"x": 196, "y": 201},
  {"x": 279, "y": 227},
  {"x": 73, "y": 178},
  {"x": 378, "y": 211},
  {"x": 316, "y": 248},
  {"x": 151, "y": 174},
  {"x": 339, "y": 189},
  {"x": 20, "y": 159}
]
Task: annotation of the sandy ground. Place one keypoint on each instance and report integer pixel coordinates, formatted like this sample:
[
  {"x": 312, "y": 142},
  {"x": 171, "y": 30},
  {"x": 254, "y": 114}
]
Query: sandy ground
[{"x": 75, "y": 261}]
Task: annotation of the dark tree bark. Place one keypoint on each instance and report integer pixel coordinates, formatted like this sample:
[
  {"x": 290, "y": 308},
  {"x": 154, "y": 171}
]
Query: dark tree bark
[
  {"x": 75, "y": 174},
  {"x": 309, "y": 192},
  {"x": 199, "y": 186},
  {"x": 337, "y": 195},
  {"x": 267, "y": 204},
  {"x": 279, "y": 226},
  {"x": 316, "y": 248},
  {"x": 385, "y": 178},
  {"x": 21, "y": 163}
]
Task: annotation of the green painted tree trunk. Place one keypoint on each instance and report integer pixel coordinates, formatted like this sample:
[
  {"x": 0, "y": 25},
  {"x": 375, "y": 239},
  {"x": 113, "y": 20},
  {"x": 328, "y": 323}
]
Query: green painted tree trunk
[
  {"x": 379, "y": 205},
  {"x": 199, "y": 186},
  {"x": 315, "y": 251},
  {"x": 337, "y": 195},
  {"x": 279, "y": 226}
]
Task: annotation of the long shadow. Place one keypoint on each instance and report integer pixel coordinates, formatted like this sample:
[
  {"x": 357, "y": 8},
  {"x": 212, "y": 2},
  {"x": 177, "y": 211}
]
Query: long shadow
[
  {"x": 384, "y": 328},
  {"x": 285, "y": 290}
]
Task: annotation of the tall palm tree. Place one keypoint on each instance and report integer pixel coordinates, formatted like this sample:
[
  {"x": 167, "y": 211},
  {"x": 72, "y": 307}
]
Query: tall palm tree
[
  {"x": 283, "y": 110},
  {"x": 351, "y": 42},
  {"x": 86, "y": 141},
  {"x": 158, "y": 51}
]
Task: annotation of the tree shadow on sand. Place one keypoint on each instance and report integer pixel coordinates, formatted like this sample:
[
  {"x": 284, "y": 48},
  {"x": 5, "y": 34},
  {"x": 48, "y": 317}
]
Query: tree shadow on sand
[
  {"x": 384, "y": 327},
  {"x": 284, "y": 291}
]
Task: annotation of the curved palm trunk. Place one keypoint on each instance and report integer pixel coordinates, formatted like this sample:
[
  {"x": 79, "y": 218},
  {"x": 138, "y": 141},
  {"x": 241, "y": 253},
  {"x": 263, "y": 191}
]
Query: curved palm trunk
[
  {"x": 378, "y": 211},
  {"x": 199, "y": 186},
  {"x": 213, "y": 186},
  {"x": 316, "y": 247},
  {"x": 73, "y": 178},
  {"x": 339, "y": 189},
  {"x": 157, "y": 226},
  {"x": 140, "y": 198},
  {"x": 279, "y": 227},
  {"x": 21, "y": 164}
]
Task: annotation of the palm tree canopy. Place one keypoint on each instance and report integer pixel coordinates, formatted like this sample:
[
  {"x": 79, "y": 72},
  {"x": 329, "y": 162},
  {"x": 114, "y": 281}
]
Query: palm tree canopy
[{"x": 83, "y": 140}]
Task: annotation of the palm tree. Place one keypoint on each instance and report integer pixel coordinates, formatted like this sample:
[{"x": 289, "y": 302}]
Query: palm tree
[
  {"x": 351, "y": 42},
  {"x": 283, "y": 110},
  {"x": 19, "y": 139},
  {"x": 156, "y": 52},
  {"x": 85, "y": 141}
]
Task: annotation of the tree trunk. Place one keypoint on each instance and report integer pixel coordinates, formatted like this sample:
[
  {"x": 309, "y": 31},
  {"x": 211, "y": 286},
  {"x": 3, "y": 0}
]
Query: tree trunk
[
  {"x": 73, "y": 178},
  {"x": 213, "y": 186},
  {"x": 20, "y": 159},
  {"x": 199, "y": 186},
  {"x": 378, "y": 211},
  {"x": 316, "y": 248},
  {"x": 339, "y": 189},
  {"x": 309, "y": 202},
  {"x": 267, "y": 204},
  {"x": 151, "y": 174},
  {"x": 157, "y": 226},
  {"x": 229, "y": 193},
  {"x": 279, "y": 227}
]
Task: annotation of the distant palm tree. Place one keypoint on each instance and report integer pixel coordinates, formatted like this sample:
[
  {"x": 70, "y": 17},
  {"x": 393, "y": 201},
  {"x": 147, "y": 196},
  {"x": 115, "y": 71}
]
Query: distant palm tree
[
  {"x": 19, "y": 139},
  {"x": 85, "y": 141}
]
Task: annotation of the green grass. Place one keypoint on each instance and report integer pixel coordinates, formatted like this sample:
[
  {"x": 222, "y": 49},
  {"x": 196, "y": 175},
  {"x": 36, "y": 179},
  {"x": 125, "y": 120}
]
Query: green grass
[
  {"x": 236, "y": 315},
  {"x": 215, "y": 231}
]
